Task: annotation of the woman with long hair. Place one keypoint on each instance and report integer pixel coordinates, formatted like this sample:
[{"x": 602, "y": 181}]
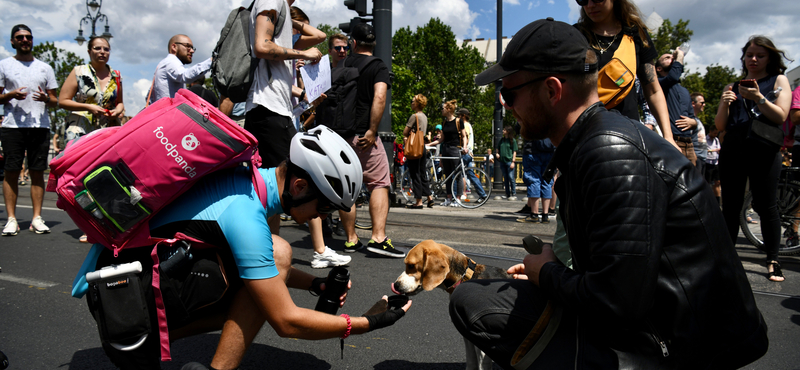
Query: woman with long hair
[
  {"x": 420, "y": 177},
  {"x": 93, "y": 93},
  {"x": 744, "y": 157},
  {"x": 452, "y": 139},
  {"x": 605, "y": 23}
]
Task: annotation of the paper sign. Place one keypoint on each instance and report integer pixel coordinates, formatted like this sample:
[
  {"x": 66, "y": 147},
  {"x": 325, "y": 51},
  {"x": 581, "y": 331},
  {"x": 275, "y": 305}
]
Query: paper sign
[{"x": 317, "y": 78}]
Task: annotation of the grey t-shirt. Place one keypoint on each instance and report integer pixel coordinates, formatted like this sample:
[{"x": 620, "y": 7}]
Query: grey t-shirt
[{"x": 423, "y": 122}]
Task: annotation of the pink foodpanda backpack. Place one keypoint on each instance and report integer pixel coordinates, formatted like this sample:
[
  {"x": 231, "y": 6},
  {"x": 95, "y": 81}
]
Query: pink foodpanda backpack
[{"x": 114, "y": 180}]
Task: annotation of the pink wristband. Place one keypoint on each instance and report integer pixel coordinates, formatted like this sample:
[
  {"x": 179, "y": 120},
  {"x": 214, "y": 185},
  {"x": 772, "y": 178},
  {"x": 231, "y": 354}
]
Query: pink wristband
[{"x": 346, "y": 333}]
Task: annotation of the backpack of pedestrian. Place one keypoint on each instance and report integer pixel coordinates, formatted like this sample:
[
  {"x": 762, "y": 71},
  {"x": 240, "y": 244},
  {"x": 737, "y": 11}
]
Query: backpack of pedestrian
[
  {"x": 338, "y": 110},
  {"x": 233, "y": 64}
]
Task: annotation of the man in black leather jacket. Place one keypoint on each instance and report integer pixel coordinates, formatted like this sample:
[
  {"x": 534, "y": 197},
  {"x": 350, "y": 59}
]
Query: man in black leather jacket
[{"x": 656, "y": 283}]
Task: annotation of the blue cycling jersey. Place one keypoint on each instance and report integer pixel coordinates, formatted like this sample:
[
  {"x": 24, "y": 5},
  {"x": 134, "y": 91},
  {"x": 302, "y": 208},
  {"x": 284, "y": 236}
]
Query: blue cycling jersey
[{"x": 228, "y": 198}]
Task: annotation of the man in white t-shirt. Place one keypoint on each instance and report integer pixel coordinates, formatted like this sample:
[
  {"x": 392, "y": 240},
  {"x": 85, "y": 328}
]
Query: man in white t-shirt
[
  {"x": 28, "y": 87},
  {"x": 171, "y": 75},
  {"x": 269, "y": 107}
]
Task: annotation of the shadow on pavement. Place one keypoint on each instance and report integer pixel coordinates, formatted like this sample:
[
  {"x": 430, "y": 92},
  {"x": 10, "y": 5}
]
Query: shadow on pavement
[
  {"x": 200, "y": 348},
  {"x": 793, "y": 304},
  {"x": 407, "y": 365}
]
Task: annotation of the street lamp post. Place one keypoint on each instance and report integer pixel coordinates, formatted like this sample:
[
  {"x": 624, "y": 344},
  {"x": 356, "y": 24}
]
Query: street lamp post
[{"x": 92, "y": 16}]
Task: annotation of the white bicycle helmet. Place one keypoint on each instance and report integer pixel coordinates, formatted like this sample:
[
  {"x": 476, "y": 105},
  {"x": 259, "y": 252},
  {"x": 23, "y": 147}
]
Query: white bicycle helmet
[{"x": 330, "y": 163}]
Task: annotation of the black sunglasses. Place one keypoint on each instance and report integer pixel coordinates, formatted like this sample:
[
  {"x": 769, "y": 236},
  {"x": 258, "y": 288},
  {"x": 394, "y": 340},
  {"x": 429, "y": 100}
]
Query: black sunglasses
[
  {"x": 509, "y": 95},
  {"x": 341, "y": 48},
  {"x": 586, "y": 2},
  {"x": 24, "y": 37},
  {"x": 324, "y": 206}
]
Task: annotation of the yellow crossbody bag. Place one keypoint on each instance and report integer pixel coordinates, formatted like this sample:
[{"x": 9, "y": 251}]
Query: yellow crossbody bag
[{"x": 615, "y": 79}]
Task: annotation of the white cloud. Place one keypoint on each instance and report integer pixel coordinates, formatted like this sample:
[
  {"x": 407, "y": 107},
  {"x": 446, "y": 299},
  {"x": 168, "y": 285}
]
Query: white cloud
[
  {"x": 135, "y": 94},
  {"x": 531, "y": 5},
  {"x": 551, "y": 2},
  {"x": 721, "y": 31},
  {"x": 5, "y": 53},
  {"x": 512, "y": 2},
  {"x": 574, "y": 11}
]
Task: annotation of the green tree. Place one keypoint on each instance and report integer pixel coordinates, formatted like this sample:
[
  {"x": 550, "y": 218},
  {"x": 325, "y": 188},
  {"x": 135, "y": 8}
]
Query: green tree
[
  {"x": 62, "y": 62},
  {"x": 428, "y": 61},
  {"x": 669, "y": 37}
]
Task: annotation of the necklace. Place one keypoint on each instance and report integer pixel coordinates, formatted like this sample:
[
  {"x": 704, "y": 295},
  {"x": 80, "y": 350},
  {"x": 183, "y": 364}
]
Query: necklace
[{"x": 604, "y": 49}]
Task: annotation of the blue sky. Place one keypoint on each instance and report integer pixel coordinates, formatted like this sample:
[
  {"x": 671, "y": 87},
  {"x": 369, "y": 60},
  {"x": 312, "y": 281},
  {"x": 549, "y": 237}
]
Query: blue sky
[{"x": 141, "y": 28}]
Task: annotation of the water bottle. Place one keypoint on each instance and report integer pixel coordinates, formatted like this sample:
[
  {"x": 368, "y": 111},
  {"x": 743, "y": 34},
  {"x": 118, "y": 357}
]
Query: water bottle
[
  {"x": 335, "y": 286},
  {"x": 771, "y": 97}
]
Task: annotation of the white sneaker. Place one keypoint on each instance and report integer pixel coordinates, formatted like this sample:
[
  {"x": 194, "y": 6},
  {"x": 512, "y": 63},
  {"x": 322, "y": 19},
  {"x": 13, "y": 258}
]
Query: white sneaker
[
  {"x": 454, "y": 204},
  {"x": 38, "y": 226},
  {"x": 463, "y": 197},
  {"x": 447, "y": 203},
  {"x": 328, "y": 258},
  {"x": 11, "y": 227}
]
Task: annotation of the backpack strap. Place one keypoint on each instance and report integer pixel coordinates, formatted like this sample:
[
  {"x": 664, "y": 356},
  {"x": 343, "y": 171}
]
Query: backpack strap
[{"x": 161, "y": 314}]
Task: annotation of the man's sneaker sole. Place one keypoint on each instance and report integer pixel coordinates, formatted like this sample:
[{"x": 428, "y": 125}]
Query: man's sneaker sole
[
  {"x": 38, "y": 231},
  {"x": 393, "y": 252},
  {"x": 354, "y": 248},
  {"x": 324, "y": 264},
  {"x": 11, "y": 234}
]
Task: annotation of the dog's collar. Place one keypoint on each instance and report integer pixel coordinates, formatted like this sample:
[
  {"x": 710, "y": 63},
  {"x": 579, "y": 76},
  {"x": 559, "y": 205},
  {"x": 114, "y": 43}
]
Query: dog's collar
[{"x": 450, "y": 286}]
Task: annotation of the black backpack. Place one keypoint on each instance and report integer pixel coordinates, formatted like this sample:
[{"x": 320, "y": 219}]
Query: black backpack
[
  {"x": 338, "y": 110},
  {"x": 233, "y": 66}
]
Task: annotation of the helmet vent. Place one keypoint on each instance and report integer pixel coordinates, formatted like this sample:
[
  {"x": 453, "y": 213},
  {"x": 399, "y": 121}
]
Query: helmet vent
[
  {"x": 345, "y": 158},
  {"x": 336, "y": 184},
  {"x": 312, "y": 145}
]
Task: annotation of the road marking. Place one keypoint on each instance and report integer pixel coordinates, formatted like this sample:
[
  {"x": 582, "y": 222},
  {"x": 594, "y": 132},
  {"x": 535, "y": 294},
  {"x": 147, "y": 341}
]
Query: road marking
[
  {"x": 44, "y": 208},
  {"x": 26, "y": 281}
]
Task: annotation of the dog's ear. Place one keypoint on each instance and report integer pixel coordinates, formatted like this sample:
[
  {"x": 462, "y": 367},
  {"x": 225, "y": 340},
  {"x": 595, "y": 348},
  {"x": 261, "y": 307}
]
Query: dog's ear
[{"x": 435, "y": 268}]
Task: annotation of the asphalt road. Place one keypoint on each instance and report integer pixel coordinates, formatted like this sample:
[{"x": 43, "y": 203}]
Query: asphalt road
[{"x": 43, "y": 327}]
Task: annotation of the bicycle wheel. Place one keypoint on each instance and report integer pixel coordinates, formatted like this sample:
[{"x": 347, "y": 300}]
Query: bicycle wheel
[
  {"x": 404, "y": 187},
  {"x": 788, "y": 203},
  {"x": 471, "y": 199}
]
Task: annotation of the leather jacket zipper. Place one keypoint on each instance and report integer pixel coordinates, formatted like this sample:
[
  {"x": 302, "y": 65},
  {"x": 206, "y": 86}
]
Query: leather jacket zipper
[{"x": 657, "y": 338}]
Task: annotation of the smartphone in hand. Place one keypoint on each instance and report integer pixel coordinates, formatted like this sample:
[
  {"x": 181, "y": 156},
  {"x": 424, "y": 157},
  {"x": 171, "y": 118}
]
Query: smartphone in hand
[{"x": 748, "y": 83}]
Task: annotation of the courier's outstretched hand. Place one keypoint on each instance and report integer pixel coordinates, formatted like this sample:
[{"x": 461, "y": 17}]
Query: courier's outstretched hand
[{"x": 381, "y": 315}]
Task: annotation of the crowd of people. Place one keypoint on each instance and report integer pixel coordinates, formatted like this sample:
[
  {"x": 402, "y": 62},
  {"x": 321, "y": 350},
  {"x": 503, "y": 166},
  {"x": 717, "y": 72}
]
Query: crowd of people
[{"x": 575, "y": 125}]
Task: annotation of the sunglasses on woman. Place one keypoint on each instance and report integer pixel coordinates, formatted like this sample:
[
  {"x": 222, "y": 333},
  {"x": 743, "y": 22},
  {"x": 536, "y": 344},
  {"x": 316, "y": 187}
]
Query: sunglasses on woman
[{"x": 586, "y": 2}]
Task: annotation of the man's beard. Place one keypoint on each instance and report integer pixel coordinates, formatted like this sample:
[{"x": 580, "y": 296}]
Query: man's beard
[{"x": 24, "y": 51}]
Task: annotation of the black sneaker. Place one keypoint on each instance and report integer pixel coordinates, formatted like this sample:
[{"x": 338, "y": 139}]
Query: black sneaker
[
  {"x": 385, "y": 248},
  {"x": 352, "y": 247},
  {"x": 552, "y": 212},
  {"x": 525, "y": 210},
  {"x": 545, "y": 219},
  {"x": 532, "y": 218}
]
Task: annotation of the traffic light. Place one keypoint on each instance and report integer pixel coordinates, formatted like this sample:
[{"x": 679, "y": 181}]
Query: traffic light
[
  {"x": 360, "y": 6},
  {"x": 348, "y": 27}
]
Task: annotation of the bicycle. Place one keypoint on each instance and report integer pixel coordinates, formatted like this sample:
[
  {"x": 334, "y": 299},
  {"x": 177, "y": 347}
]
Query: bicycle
[
  {"x": 476, "y": 178},
  {"x": 788, "y": 208}
]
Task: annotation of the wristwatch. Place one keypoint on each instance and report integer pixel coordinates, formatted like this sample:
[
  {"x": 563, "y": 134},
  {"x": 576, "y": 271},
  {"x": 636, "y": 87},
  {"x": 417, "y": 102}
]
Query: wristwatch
[
  {"x": 762, "y": 100},
  {"x": 302, "y": 94}
]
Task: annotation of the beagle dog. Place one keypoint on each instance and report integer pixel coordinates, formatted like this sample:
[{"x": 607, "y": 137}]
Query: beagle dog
[{"x": 430, "y": 265}]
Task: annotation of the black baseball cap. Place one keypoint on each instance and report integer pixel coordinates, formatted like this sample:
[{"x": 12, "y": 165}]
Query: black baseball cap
[
  {"x": 544, "y": 46},
  {"x": 18, "y": 27},
  {"x": 363, "y": 32}
]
